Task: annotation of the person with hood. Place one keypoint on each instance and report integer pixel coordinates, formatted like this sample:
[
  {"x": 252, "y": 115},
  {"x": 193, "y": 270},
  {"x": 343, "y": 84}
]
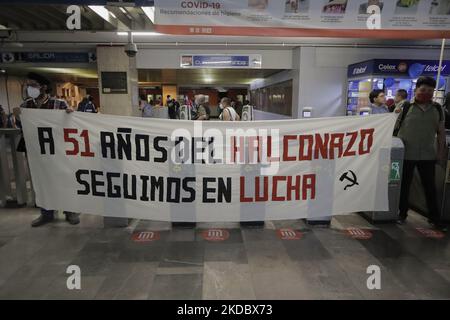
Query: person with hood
[{"x": 37, "y": 91}]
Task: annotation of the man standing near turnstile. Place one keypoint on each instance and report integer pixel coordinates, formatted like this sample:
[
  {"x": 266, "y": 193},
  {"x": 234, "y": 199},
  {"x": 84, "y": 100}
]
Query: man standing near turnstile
[
  {"x": 37, "y": 97},
  {"x": 418, "y": 125}
]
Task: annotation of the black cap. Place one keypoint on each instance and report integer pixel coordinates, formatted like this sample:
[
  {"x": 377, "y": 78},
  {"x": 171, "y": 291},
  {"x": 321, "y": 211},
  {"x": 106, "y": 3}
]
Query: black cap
[{"x": 38, "y": 78}]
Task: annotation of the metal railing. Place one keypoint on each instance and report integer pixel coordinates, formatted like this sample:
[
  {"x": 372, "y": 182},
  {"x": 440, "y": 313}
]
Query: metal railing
[{"x": 15, "y": 180}]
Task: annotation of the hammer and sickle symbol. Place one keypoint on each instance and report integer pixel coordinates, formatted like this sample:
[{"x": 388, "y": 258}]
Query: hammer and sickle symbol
[{"x": 353, "y": 180}]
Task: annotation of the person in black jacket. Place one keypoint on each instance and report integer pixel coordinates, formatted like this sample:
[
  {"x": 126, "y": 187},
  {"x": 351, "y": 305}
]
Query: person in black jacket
[{"x": 446, "y": 108}]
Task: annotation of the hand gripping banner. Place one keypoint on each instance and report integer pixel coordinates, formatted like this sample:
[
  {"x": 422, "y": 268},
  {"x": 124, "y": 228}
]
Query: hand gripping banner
[{"x": 177, "y": 170}]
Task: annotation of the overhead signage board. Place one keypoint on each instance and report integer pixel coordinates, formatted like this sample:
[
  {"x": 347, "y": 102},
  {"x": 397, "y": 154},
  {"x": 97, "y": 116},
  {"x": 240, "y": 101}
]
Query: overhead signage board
[
  {"x": 402, "y": 19},
  {"x": 220, "y": 61}
]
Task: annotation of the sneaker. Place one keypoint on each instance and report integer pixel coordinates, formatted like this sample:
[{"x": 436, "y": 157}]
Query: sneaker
[
  {"x": 401, "y": 221},
  {"x": 72, "y": 218},
  {"x": 42, "y": 219}
]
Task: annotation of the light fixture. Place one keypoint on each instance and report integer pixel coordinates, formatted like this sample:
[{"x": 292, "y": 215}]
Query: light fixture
[
  {"x": 150, "y": 13},
  {"x": 139, "y": 33},
  {"x": 123, "y": 10},
  {"x": 102, "y": 12}
]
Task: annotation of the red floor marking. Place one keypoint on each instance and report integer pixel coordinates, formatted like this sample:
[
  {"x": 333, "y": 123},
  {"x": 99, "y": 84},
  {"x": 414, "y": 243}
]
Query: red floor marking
[
  {"x": 430, "y": 233},
  {"x": 215, "y": 234},
  {"x": 358, "y": 233},
  {"x": 145, "y": 236},
  {"x": 289, "y": 234}
]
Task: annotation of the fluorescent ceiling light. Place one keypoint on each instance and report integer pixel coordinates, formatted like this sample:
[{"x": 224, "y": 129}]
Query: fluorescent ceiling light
[
  {"x": 150, "y": 13},
  {"x": 84, "y": 73},
  {"x": 139, "y": 33},
  {"x": 102, "y": 12},
  {"x": 123, "y": 10}
]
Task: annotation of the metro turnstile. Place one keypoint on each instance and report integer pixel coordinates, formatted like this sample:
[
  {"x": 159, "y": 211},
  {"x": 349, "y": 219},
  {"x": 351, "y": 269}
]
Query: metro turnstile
[
  {"x": 18, "y": 175},
  {"x": 185, "y": 112},
  {"x": 394, "y": 188},
  {"x": 442, "y": 177},
  {"x": 247, "y": 113}
]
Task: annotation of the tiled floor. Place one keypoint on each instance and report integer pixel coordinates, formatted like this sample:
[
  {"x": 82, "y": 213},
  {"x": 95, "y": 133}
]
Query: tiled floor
[{"x": 325, "y": 263}]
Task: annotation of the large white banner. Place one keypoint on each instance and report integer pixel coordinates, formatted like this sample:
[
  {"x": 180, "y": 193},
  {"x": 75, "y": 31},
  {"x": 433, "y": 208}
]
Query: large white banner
[
  {"x": 284, "y": 18},
  {"x": 177, "y": 170}
]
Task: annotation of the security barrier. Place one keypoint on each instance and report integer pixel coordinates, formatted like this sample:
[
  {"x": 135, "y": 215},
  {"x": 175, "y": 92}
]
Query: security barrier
[
  {"x": 13, "y": 171},
  {"x": 442, "y": 178}
]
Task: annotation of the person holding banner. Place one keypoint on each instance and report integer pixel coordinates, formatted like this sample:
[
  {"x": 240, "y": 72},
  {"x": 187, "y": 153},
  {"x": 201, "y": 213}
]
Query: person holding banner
[
  {"x": 37, "y": 92},
  {"x": 419, "y": 124}
]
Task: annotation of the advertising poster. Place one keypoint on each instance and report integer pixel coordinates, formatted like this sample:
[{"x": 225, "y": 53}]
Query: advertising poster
[{"x": 337, "y": 18}]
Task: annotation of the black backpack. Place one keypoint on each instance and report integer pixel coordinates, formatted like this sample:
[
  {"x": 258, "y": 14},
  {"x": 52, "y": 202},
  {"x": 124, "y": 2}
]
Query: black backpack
[
  {"x": 208, "y": 110},
  {"x": 447, "y": 118},
  {"x": 172, "y": 110},
  {"x": 406, "y": 106}
]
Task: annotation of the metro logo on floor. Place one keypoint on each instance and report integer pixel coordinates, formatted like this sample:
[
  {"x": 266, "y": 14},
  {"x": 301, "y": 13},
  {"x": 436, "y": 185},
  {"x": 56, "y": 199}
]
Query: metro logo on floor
[
  {"x": 289, "y": 234},
  {"x": 215, "y": 234},
  {"x": 357, "y": 233},
  {"x": 429, "y": 233},
  {"x": 145, "y": 236}
]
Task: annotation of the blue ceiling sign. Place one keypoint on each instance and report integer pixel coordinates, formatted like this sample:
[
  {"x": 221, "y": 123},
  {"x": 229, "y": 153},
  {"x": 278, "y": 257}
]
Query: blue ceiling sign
[
  {"x": 48, "y": 57},
  {"x": 216, "y": 61}
]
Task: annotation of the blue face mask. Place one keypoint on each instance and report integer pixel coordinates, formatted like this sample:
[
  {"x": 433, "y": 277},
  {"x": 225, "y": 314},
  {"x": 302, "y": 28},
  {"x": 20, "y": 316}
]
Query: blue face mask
[{"x": 33, "y": 92}]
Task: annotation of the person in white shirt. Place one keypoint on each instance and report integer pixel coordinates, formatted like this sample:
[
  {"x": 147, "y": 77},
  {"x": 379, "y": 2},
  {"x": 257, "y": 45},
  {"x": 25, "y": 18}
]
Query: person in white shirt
[
  {"x": 228, "y": 112},
  {"x": 145, "y": 107}
]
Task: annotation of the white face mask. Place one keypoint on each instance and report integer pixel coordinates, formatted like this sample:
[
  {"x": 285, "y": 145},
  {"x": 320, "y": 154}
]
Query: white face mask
[{"x": 33, "y": 92}]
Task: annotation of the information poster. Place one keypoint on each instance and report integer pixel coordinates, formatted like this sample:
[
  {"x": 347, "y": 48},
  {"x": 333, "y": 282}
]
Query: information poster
[{"x": 368, "y": 18}]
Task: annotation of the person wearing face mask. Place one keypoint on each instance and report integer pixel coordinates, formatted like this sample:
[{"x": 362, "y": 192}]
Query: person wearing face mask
[
  {"x": 38, "y": 97},
  {"x": 38, "y": 94},
  {"x": 227, "y": 111},
  {"x": 419, "y": 125}
]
